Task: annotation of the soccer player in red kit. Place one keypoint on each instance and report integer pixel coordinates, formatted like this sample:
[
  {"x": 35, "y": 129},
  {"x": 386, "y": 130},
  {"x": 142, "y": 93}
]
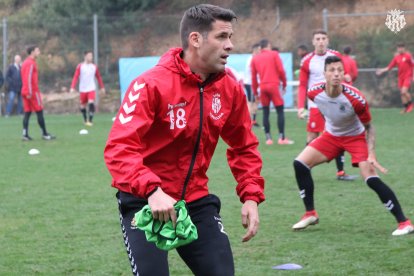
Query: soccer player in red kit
[
  {"x": 351, "y": 64},
  {"x": 161, "y": 144},
  {"x": 311, "y": 72},
  {"x": 32, "y": 99},
  {"x": 268, "y": 66},
  {"x": 404, "y": 61},
  {"x": 86, "y": 72},
  {"x": 348, "y": 128}
]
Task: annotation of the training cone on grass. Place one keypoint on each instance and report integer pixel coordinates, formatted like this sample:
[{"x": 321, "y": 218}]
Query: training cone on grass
[
  {"x": 83, "y": 132},
  {"x": 34, "y": 151}
]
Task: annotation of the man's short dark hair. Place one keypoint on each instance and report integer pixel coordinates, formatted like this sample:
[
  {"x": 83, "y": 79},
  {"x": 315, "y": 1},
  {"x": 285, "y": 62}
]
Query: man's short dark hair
[
  {"x": 256, "y": 45},
  {"x": 87, "y": 52},
  {"x": 401, "y": 45},
  {"x": 30, "y": 49},
  {"x": 332, "y": 59},
  {"x": 319, "y": 31},
  {"x": 303, "y": 47},
  {"x": 347, "y": 50},
  {"x": 264, "y": 43},
  {"x": 200, "y": 19}
]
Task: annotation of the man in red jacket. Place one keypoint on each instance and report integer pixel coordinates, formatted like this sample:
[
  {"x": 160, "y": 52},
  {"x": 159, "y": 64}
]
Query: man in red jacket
[
  {"x": 404, "y": 61},
  {"x": 268, "y": 66},
  {"x": 162, "y": 141},
  {"x": 351, "y": 64},
  {"x": 32, "y": 100}
]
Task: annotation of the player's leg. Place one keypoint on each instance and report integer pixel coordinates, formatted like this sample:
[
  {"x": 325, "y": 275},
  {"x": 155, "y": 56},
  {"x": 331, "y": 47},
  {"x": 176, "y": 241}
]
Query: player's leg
[
  {"x": 387, "y": 197},
  {"x": 83, "y": 100},
  {"x": 280, "y": 111},
  {"x": 10, "y": 103},
  {"x": 211, "y": 253},
  {"x": 319, "y": 151},
  {"x": 26, "y": 117},
  {"x": 265, "y": 99},
  {"x": 42, "y": 124},
  {"x": 145, "y": 258},
  {"x": 406, "y": 97},
  {"x": 91, "y": 106}
]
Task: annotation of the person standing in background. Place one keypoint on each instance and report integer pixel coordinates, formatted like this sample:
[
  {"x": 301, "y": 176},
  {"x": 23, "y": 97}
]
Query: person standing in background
[
  {"x": 252, "y": 100},
  {"x": 14, "y": 86},
  {"x": 351, "y": 64},
  {"x": 86, "y": 72}
]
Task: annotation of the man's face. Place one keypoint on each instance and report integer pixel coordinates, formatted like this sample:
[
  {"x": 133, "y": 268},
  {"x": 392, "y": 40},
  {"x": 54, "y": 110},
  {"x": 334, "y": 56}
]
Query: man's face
[
  {"x": 36, "y": 52},
  {"x": 400, "y": 50},
  {"x": 214, "y": 49},
  {"x": 334, "y": 73},
  {"x": 320, "y": 42},
  {"x": 89, "y": 57},
  {"x": 17, "y": 59}
]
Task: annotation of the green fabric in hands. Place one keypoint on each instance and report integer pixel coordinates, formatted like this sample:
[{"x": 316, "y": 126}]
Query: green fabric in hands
[{"x": 162, "y": 233}]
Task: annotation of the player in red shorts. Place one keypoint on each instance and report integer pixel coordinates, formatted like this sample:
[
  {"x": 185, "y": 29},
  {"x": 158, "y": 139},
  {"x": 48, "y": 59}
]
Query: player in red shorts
[
  {"x": 311, "y": 72},
  {"x": 32, "y": 100},
  {"x": 86, "y": 72},
  {"x": 268, "y": 67},
  {"x": 404, "y": 61},
  {"x": 348, "y": 128}
]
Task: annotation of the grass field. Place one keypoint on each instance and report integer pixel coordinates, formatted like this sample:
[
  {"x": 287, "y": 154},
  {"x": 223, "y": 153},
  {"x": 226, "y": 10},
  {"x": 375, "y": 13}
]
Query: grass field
[{"x": 58, "y": 214}]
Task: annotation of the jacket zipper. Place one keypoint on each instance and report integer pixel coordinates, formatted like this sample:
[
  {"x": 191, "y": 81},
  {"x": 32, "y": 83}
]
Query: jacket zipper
[{"x": 197, "y": 144}]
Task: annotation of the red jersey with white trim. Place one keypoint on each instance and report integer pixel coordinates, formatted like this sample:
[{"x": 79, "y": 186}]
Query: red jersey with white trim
[
  {"x": 352, "y": 66},
  {"x": 268, "y": 66},
  {"x": 346, "y": 114},
  {"x": 152, "y": 141},
  {"x": 311, "y": 72},
  {"x": 86, "y": 73},
  {"x": 404, "y": 62},
  {"x": 30, "y": 80}
]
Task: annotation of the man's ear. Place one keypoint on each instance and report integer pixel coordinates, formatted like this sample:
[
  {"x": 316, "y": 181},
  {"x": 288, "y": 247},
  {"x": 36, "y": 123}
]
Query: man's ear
[{"x": 195, "y": 39}]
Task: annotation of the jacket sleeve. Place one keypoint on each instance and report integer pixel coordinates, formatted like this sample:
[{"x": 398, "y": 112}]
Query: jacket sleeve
[
  {"x": 99, "y": 78},
  {"x": 303, "y": 85},
  {"x": 1, "y": 78},
  {"x": 243, "y": 157},
  {"x": 281, "y": 70},
  {"x": 253, "y": 71},
  {"x": 9, "y": 75},
  {"x": 75, "y": 77},
  {"x": 123, "y": 151},
  {"x": 392, "y": 64}
]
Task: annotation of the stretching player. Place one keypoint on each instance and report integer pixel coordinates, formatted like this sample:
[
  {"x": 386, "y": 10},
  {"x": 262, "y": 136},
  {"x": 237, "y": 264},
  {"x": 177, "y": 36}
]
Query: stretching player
[
  {"x": 348, "y": 128},
  {"x": 403, "y": 60},
  {"x": 311, "y": 72},
  {"x": 86, "y": 73}
]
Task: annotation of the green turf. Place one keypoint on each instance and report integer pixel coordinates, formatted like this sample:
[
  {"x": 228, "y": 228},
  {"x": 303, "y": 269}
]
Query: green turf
[{"x": 58, "y": 215}]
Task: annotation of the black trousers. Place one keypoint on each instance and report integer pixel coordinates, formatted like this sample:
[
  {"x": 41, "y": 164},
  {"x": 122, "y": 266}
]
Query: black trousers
[{"x": 209, "y": 255}]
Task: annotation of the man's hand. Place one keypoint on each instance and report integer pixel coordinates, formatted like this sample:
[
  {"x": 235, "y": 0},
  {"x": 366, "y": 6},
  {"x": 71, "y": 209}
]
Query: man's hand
[
  {"x": 72, "y": 90},
  {"x": 301, "y": 113},
  {"x": 250, "y": 219},
  {"x": 373, "y": 161},
  {"x": 380, "y": 71},
  {"x": 162, "y": 206},
  {"x": 257, "y": 99},
  {"x": 283, "y": 91},
  {"x": 103, "y": 91},
  {"x": 348, "y": 78}
]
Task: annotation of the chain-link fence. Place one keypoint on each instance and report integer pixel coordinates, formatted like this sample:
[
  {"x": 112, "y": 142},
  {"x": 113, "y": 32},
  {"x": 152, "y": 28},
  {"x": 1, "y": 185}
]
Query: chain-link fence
[{"x": 63, "y": 41}]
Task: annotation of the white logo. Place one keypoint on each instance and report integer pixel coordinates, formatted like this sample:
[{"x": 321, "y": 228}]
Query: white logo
[
  {"x": 128, "y": 109},
  {"x": 216, "y": 107},
  {"x": 216, "y": 103},
  {"x": 395, "y": 20}
]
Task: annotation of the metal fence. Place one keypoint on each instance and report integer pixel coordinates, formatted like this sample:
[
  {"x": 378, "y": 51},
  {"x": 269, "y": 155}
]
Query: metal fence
[{"x": 63, "y": 42}]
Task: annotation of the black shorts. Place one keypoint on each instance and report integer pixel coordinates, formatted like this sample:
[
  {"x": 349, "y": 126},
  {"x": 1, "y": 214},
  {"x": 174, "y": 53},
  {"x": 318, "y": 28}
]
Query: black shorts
[{"x": 210, "y": 254}]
